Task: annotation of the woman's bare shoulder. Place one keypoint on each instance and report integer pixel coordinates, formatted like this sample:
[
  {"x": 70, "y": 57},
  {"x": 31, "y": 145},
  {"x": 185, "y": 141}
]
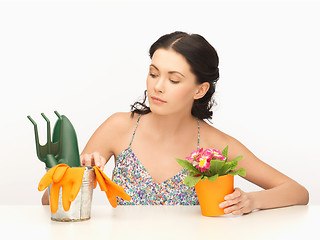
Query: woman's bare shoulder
[
  {"x": 111, "y": 134},
  {"x": 119, "y": 118},
  {"x": 119, "y": 122},
  {"x": 214, "y": 138}
]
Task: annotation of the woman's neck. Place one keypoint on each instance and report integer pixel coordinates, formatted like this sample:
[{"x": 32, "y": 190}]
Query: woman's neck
[{"x": 168, "y": 126}]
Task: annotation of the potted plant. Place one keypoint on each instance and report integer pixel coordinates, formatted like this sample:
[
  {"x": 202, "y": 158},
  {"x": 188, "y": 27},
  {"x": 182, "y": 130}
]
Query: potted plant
[{"x": 212, "y": 175}]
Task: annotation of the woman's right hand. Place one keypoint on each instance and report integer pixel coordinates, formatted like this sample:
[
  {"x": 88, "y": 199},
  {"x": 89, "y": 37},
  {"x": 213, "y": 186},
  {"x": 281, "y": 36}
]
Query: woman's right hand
[{"x": 93, "y": 159}]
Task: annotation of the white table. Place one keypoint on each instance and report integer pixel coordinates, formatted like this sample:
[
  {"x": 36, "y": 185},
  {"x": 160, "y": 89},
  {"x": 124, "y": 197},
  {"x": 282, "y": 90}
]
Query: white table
[{"x": 161, "y": 222}]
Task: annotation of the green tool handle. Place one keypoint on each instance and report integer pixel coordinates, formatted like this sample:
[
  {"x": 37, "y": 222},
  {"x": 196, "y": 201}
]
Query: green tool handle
[{"x": 50, "y": 161}]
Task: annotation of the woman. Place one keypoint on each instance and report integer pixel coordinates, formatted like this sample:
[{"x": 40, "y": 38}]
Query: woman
[{"x": 146, "y": 141}]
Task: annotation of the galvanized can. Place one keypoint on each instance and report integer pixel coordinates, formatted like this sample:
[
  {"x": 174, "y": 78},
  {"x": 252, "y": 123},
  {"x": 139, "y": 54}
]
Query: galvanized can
[{"x": 80, "y": 208}]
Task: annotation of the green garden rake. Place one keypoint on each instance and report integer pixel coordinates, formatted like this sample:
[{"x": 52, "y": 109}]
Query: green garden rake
[{"x": 64, "y": 145}]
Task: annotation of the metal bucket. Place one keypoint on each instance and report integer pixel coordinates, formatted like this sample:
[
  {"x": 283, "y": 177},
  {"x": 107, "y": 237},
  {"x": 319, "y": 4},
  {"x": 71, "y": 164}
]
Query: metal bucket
[{"x": 80, "y": 209}]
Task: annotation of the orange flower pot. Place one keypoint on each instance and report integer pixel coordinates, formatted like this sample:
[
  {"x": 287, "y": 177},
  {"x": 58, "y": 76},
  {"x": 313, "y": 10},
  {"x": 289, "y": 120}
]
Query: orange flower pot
[{"x": 211, "y": 194}]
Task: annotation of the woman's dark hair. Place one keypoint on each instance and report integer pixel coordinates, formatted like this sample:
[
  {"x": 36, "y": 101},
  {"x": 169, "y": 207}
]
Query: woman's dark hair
[{"x": 203, "y": 60}]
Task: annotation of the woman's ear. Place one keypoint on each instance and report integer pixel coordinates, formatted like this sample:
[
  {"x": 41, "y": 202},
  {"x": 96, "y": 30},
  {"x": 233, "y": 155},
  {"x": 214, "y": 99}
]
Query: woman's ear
[{"x": 202, "y": 90}]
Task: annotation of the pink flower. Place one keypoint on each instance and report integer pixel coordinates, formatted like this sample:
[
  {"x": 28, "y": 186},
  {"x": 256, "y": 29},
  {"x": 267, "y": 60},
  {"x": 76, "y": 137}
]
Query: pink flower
[
  {"x": 195, "y": 155},
  {"x": 201, "y": 158},
  {"x": 215, "y": 154},
  {"x": 203, "y": 163}
]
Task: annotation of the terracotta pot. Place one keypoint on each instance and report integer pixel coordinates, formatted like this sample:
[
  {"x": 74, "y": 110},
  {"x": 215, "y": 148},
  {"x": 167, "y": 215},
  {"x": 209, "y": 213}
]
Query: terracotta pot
[{"x": 211, "y": 194}]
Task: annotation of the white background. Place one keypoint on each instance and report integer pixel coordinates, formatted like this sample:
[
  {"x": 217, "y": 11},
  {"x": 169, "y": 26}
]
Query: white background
[{"x": 90, "y": 59}]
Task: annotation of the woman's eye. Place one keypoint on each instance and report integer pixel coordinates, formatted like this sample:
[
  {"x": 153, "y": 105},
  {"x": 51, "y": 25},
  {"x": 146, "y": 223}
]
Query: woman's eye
[
  {"x": 174, "y": 82},
  {"x": 153, "y": 75}
]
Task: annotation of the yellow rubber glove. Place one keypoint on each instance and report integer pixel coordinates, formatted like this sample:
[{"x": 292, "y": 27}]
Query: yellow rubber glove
[
  {"x": 61, "y": 175},
  {"x": 109, "y": 187}
]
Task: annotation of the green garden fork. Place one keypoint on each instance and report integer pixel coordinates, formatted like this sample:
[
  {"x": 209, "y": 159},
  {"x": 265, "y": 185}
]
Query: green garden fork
[
  {"x": 63, "y": 148},
  {"x": 51, "y": 151}
]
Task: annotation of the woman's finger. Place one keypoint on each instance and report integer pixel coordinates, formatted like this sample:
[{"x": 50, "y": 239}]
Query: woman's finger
[
  {"x": 103, "y": 162},
  {"x": 238, "y": 212},
  {"x": 230, "y": 202},
  {"x": 234, "y": 208},
  {"x": 236, "y": 193},
  {"x": 88, "y": 160},
  {"x": 83, "y": 159},
  {"x": 99, "y": 160},
  {"x": 96, "y": 159}
]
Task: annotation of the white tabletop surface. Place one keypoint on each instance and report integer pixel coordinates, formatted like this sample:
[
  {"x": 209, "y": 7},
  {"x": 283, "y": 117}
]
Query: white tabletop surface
[{"x": 161, "y": 222}]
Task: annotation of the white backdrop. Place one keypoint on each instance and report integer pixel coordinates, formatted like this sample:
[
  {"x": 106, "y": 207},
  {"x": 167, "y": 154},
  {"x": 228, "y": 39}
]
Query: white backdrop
[{"x": 89, "y": 59}]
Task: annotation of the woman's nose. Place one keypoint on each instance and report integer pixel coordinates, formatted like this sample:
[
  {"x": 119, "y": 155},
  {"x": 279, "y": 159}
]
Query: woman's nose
[{"x": 159, "y": 86}]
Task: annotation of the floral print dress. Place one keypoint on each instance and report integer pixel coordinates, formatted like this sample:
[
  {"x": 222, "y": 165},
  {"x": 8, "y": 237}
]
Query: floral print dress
[{"x": 137, "y": 182}]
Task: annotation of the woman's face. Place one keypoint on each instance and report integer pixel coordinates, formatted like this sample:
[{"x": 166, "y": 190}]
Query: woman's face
[{"x": 171, "y": 85}]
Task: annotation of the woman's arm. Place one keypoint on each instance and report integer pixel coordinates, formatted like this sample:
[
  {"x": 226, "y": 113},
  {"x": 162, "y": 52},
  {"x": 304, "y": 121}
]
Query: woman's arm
[
  {"x": 100, "y": 146},
  {"x": 45, "y": 197},
  {"x": 280, "y": 190},
  {"x": 287, "y": 194},
  {"x": 106, "y": 139}
]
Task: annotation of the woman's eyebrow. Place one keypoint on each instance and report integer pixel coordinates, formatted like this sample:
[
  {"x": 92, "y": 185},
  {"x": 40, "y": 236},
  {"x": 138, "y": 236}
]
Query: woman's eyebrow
[{"x": 152, "y": 65}]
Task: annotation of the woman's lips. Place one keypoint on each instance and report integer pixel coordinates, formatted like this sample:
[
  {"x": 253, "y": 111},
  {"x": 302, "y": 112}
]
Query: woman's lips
[{"x": 157, "y": 100}]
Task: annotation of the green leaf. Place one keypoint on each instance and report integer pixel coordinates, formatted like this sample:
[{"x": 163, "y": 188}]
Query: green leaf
[
  {"x": 203, "y": 178},
  {"x": 237, "y": 158},
  {"x": 234, "y": 162},
  {"x": 215, "y": 166},
  {"x": 187, "y": 165},
  {"x": 225, "y": 169},
  {"x": 225, "y": 152},
  {"x": 240, "y": 172},
  {"x": 213, "y": 178},
  {"x": 191, "y": 181}
]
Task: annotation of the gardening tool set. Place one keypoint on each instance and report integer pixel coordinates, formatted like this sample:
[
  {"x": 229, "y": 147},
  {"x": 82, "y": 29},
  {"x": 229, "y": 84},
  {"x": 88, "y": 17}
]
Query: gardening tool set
[{"x": 66, "y": 178}]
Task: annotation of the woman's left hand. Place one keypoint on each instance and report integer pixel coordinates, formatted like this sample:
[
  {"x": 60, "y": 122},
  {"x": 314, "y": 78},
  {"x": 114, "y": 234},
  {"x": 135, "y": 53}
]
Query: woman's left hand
[{"x": 238, "y": 202}]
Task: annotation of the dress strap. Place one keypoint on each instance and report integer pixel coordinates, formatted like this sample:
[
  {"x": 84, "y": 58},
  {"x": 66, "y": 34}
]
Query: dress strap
[
  {"x": 135, "y": 130},
  {"x": 198, "y": 143}
]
